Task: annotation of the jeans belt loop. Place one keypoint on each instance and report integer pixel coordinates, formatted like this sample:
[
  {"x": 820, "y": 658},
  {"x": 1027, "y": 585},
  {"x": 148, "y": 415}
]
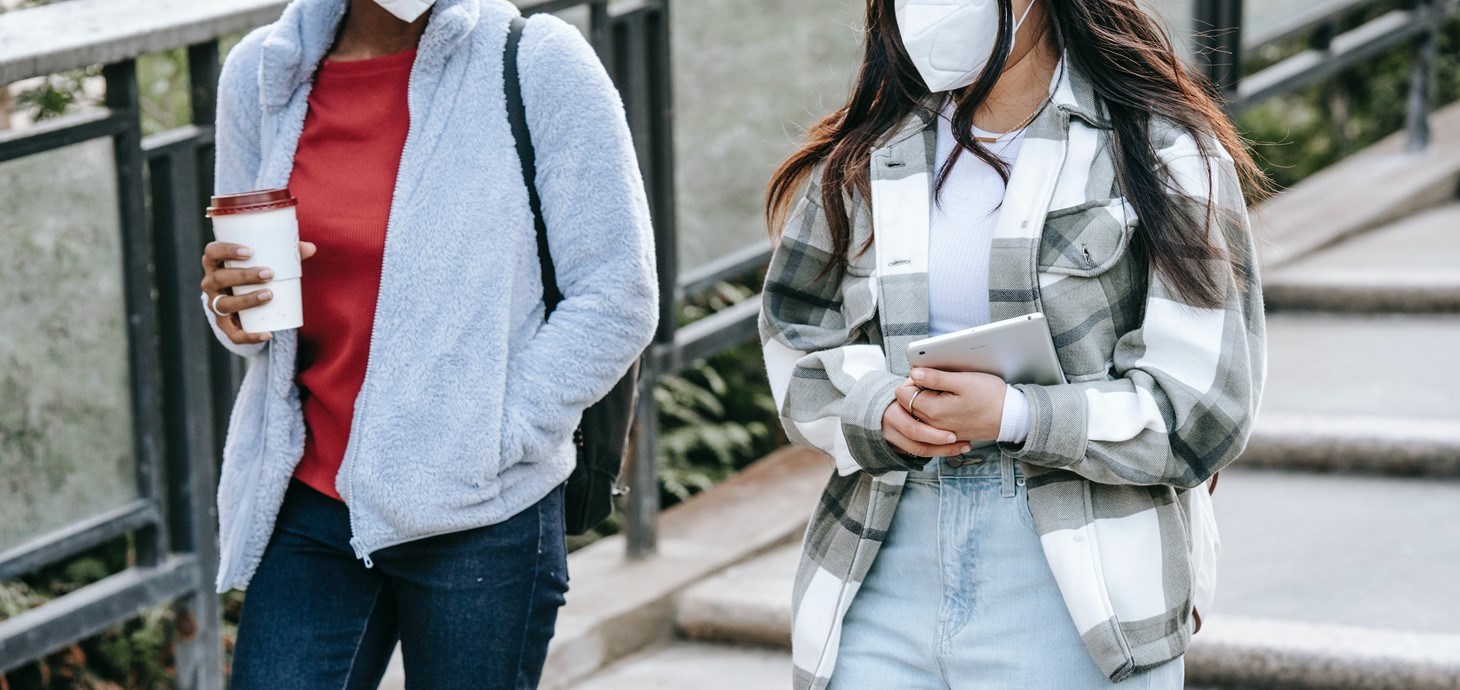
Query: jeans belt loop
[{"x": 1006, "y": 471}]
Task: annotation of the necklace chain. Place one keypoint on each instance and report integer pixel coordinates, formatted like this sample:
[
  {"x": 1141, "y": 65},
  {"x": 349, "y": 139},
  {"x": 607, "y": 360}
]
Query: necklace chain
[{"x": 1022, "y": 125}]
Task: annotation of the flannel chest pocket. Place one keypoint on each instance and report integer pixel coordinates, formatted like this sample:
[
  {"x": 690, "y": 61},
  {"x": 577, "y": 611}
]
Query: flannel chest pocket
[
  {"x": 1088, "y": 239},
  {"x": 1089, "y": 283}
]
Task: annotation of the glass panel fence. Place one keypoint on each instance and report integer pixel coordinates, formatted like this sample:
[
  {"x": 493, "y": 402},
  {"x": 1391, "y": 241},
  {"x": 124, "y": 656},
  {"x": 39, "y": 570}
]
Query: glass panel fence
[
  {"x": 749, "y": 75},
  {"x": 66, "y": 432}
]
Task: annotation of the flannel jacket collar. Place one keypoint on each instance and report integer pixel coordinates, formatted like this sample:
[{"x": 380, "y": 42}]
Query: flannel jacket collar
[
  {"x": 908, "y": 161},
  {"x": 1073, "y": 95}
]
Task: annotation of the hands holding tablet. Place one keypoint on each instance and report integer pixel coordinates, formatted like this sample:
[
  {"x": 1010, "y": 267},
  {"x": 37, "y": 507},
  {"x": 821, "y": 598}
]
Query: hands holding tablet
[
  {"x": 938, "y": 412},
  {"x": 969, "y": 404}
]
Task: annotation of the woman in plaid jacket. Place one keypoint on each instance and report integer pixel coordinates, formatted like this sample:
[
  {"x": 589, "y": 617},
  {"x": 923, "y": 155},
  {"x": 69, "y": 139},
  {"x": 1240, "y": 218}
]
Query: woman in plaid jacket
[{"x": 999, "y": 158}]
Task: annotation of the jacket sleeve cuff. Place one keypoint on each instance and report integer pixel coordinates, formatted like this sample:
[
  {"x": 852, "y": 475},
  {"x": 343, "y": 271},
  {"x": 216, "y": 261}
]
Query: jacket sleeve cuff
[
  {"x": 1058, "y": 423},
  {"x": 862, "y": 414},
  {"x": 249, "y": 350}
]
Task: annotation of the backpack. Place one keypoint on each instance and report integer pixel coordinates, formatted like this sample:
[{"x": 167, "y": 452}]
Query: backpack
[{"x": 602, "y": 435}]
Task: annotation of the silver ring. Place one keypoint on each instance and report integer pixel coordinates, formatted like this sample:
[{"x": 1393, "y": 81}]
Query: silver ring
[
  {"x": 213, "y": 305},
  {"x": 914, "y": 401}
]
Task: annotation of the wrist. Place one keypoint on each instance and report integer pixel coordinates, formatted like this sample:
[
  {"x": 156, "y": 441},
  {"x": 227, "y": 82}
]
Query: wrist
[{"x": 1014, "y": 418}]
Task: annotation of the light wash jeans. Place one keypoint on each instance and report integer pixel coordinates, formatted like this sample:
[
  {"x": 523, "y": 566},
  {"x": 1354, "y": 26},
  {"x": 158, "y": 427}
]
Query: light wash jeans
[{"x": 961, "y": 597}]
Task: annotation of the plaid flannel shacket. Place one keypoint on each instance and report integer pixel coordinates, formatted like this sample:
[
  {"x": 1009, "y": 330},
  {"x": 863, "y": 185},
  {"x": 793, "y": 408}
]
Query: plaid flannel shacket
[{"x": 1161, "y": 394}]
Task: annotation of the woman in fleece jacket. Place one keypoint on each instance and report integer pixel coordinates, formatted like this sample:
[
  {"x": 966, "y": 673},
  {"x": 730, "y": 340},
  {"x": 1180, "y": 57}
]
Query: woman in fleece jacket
[
  {"x": 393, "y": 468},
  {"x": 999, "y": 158}
]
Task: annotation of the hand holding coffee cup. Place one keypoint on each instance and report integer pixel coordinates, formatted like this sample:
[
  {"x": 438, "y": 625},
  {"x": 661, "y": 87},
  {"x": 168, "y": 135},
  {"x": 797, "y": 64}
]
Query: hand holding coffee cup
[
  {"x": 252, "y": 273},
  {"x": 220, "y": 281}
]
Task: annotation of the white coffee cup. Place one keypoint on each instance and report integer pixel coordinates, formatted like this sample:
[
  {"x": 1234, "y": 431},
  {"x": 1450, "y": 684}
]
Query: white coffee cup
[{"x": 265, "y": 222}]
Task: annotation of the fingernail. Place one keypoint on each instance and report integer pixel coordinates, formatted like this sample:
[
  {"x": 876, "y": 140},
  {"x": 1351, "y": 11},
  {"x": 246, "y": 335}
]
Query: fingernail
[
  {"x": 245, "y": 252},
  {"x": 968, "y": 449},
  {"x": 266, "y": 274},
  {"x": 917, "y": 374},
  {"x": 267, "y": 337},
  {"x": 266, "y": 294},
  {"x": 952, "y": 438}
]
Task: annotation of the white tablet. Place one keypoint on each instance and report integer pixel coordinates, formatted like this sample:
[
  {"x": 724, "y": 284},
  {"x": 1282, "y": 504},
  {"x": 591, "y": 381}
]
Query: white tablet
[{"x": 1018, "y": 350}]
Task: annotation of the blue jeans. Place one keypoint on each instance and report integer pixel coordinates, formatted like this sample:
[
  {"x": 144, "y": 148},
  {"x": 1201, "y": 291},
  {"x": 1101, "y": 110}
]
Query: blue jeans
[
  {"x": 961, "y": 597},
  {"x": 472, "y": 609}
]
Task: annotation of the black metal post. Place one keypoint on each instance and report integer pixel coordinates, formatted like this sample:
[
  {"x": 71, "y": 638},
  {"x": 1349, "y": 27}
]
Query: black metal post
[
  {"x": 137, "y": 261},
  {"x": 640, "y": 62},
  {"x": 226, "y": 369},
  {"x": 1219, "y": 42},
  {"x": 600, "y": 31},
  {"x": 188, "y": 414},
  {"x": 1422, "y": 75},
  {"x": 179, "y": 187}
]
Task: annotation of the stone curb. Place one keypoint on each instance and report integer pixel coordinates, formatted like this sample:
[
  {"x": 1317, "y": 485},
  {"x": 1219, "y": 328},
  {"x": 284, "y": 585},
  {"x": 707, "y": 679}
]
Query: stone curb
[
  {"x": 1369, "y": 292},
  {"x": 1372, "y": 445},
  {"x": 748, "y": 604},
  {"x": 1236, "y": 651},
  {"x": 617, "y": 607}
]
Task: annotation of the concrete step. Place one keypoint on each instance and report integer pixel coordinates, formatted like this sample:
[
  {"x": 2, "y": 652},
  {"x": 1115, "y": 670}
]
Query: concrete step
[
  {"x": 710, "y": 667},
  {"x": 1377, "y": 394},
  {"x": 1383, "y": 184},
  {"x": 1237, "y": 652},
  {"x": 1352, "y": 366},
  {"x": 618, "y": 606},
  {"x": 1336, "y": 549},
  {"x": 699, "y": 666},
  {"x": 1231, "y": 654},
  {"x": 1326, "y": 582},
  {"x": 746, "y": 604},
  {"x": 1394, "y": 446},
  {"x": 1412, "y": 265}
]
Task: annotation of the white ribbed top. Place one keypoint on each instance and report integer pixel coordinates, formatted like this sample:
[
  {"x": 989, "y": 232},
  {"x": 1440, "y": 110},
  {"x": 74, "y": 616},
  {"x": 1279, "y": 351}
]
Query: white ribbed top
[
  {"x": 962, "y": 231},
  {"x": 960, "y": 237}
]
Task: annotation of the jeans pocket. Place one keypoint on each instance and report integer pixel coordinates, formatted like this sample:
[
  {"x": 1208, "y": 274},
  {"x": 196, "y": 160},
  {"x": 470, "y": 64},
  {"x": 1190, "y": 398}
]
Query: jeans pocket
[
  {"x": 1025, "y": 512},
  {"x": 1168, "y": 676}
]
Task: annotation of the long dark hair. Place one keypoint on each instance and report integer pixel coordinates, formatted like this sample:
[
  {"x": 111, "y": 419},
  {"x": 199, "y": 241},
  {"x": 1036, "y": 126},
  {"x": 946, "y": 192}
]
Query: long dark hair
[{"x": 1137, "y": 76}]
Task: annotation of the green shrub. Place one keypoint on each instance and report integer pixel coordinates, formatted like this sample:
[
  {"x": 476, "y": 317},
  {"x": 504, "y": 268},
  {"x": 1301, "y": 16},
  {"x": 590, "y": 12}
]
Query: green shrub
[
  {"x": 134, "y": 655},
  {"x": 1297, "y": 135}
]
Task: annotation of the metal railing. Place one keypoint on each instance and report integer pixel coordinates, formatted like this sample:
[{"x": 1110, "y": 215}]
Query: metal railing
[
  {"x": 171, "y": 522},
  {"x": 1329, "y": 52},
  {"x": 184, "y": 382}
]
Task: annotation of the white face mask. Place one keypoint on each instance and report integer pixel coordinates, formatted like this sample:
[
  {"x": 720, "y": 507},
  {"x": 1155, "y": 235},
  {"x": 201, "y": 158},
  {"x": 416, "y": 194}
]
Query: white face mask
[
  {"x": 951, "y": 41},
  {"x": 407, "y": 10}
]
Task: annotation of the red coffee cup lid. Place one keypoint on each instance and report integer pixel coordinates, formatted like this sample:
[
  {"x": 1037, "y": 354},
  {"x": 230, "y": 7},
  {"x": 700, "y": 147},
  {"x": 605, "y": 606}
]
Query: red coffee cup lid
[{"x": 251, "y": 202}]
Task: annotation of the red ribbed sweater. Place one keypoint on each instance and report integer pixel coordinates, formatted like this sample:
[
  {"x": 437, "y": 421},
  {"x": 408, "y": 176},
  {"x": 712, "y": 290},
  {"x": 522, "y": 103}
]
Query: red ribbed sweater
[{"x": 344, "y": 177}]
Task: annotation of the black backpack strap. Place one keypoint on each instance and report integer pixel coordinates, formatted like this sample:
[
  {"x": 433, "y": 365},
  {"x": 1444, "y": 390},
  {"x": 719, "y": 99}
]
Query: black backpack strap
[{"x": 517, "y": 115}]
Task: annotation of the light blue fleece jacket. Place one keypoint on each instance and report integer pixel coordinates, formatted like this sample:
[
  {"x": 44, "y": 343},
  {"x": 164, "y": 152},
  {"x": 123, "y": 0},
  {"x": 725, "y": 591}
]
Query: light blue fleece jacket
[{"x": 469, "y": 401}]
